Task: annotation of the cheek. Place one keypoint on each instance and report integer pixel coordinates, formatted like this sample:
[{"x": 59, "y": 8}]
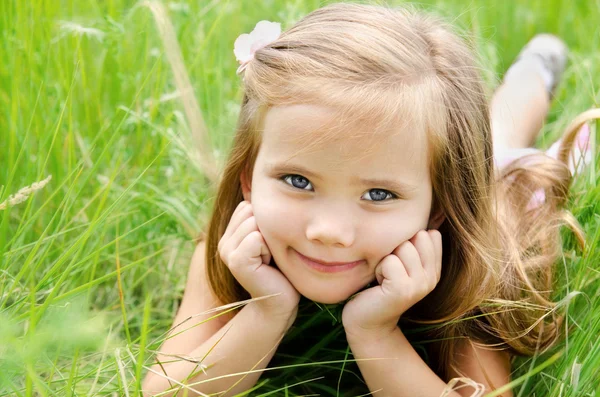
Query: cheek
[
  {"x": 276, "y": 217},
  {"x": 381, "y": 236}
]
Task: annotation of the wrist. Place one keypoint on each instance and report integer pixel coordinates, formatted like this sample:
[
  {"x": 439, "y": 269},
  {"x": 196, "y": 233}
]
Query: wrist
[
  {"x": 282, "y": 317},
  {"x": 363, "y": 335}
]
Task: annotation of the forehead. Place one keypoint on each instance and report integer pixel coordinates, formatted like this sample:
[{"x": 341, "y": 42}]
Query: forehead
[{"x": 323, "y": 136}]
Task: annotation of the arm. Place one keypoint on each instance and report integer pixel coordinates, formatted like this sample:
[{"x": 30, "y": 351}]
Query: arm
[
  {"x": 197, "y": 298},
  {"x": 406, "y": 374},
  {"x": 249, "y": 342},
  {"x": 489, "y": 367},
  {"x": 402, "y": 372},
  {"x": 192, "y": 335}
]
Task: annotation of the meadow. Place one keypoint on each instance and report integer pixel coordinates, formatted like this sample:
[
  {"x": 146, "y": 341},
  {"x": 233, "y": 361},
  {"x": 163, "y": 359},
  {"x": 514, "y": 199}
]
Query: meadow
[{"x": 107, "y": 110}]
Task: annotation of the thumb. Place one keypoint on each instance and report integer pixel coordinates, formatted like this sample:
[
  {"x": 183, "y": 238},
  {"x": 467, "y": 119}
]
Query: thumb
[
  {"x": 265, "y": 253},
  {"x": 379, "y": 274},
  {"x": 371, "y": 305}
]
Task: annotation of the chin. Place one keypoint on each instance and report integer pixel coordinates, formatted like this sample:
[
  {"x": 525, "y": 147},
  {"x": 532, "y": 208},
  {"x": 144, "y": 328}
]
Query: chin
[
  {"x": 326, "y": 300},
  {"x": 327, "y": 290},
  {"x": 326, "y": 297}
]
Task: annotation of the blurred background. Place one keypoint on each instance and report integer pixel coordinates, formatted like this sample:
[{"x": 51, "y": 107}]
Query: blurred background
[{"x": 107, "y": 110}]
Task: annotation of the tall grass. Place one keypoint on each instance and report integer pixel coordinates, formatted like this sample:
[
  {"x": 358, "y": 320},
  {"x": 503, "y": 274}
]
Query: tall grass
[{"x": 93, "y": 115}]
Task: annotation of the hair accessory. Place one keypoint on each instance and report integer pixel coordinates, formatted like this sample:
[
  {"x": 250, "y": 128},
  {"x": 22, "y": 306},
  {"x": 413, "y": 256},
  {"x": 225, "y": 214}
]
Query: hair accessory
[{"x": 246, "y": 45}]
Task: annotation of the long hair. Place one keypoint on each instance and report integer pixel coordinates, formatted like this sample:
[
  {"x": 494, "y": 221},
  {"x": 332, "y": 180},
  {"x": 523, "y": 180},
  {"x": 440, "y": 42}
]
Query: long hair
[{"x": 381, "y": 65}]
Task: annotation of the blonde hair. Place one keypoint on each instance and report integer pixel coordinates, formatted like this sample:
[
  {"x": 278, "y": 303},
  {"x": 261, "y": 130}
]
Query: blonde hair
[{"x": 381, "y": 65}]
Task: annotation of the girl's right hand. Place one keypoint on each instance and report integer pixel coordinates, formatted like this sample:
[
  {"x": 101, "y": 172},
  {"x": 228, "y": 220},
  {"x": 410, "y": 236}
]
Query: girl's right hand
[{"x": 244, "y": 251}]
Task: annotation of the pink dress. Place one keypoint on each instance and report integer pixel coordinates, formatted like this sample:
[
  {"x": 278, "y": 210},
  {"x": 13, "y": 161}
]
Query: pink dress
[{"x": 580, "y": 158}]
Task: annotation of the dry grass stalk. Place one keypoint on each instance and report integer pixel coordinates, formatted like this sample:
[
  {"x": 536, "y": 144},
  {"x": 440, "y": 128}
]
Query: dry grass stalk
[
  {"x": 24, "y": 193},
  {"x": 451, "y": 386},
  {"x": 184, "y": 86}
]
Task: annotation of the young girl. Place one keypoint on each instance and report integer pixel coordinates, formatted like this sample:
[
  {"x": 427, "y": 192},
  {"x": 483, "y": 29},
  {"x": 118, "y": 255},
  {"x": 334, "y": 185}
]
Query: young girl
[{"x": 362, "y": 173}]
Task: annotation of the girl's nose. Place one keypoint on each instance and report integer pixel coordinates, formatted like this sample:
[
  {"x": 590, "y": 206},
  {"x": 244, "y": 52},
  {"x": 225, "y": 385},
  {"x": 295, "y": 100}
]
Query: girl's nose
[{"x": 331, "y": 227}]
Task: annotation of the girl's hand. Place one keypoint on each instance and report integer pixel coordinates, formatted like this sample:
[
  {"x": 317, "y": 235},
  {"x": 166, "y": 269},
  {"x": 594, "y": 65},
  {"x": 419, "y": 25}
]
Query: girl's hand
[
  {"x": 406, "y": 276},
  {"x": 244, "y": 251}
]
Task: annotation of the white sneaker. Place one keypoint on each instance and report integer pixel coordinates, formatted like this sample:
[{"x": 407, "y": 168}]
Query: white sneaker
[{"x": 548, "y": 54}]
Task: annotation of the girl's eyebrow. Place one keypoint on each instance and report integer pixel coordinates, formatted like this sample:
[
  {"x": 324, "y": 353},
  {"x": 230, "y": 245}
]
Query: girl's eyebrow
[{"x": 387, "y": 183}]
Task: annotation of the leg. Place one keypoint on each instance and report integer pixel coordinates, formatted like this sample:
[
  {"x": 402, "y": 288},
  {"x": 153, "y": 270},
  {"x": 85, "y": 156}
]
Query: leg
[
  {"x": 520, "y": 104},
  {"x": 518, "y": 109}
]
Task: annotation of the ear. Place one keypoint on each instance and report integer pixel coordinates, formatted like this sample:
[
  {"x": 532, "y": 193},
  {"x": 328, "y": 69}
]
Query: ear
[
  {"x": 436, "y": 218},
  {"x": 246, "y": 185}
]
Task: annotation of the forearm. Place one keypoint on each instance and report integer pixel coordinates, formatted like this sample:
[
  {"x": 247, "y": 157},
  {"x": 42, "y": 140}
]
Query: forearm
[
  {"x": 248, "y": 343},
  {"x": 401, "y": 372}
]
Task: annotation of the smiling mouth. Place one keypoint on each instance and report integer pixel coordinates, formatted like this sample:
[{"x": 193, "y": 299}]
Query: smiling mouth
[
  {"x": 324, "y": 263},
  {"x": 328, "y": 266}
]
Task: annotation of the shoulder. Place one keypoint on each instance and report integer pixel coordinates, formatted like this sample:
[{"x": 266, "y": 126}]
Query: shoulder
[{"x": 484, "y": 365}]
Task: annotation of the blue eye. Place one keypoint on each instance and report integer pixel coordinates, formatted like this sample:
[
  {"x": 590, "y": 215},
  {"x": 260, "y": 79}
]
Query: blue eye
[
  {"x": 374, "y": 195},
  {"x": 297, "y": 181},
  {"x": 379, "y": 195}
]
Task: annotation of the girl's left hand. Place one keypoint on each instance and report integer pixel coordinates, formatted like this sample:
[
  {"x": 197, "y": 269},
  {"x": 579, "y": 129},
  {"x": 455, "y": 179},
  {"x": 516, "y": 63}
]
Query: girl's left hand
[{"x": 405, "y": 276}]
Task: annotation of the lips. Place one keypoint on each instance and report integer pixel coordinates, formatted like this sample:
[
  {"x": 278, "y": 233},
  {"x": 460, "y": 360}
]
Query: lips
[
  {"x": 328, "y": 263},
  {"x": 327, "y": 267}
]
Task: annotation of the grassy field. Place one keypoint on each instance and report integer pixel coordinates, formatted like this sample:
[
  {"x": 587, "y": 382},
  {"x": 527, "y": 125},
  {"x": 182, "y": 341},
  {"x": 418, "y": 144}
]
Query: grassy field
[{"x": 93, "y": 259}]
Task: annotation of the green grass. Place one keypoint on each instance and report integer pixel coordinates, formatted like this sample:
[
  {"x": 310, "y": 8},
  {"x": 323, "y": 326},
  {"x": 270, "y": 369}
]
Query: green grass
[{"x": 92, "y": 264}]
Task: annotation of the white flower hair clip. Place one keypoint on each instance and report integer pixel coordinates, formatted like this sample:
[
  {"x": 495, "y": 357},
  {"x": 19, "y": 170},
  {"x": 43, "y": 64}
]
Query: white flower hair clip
[{"x": 246, "y": 45}]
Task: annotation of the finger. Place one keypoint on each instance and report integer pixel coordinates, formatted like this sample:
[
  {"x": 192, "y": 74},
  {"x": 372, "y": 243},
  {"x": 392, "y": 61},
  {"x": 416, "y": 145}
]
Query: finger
[
  {"x": 254, "y": 248},
  {"x": 265, "y": 253},
  {"x": 379, "y": 274},
  {"x": 410, "y": 259},
  {"x": 390, "y": 268},
  {"x": 237, "y": 217},
  {"x": 438, "y": 249},
  {"x": 247, "y": 226},
  {"x": 241, "y": 213},
  {"x": 424, "y": 246}
]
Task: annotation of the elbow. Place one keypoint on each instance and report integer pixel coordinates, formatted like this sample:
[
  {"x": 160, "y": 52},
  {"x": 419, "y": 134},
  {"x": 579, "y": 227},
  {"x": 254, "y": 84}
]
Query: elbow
[
  {"x": 148, "y": 389},
  {"x": 155, "y": 384},
  {"x": 152, "y": 385}
]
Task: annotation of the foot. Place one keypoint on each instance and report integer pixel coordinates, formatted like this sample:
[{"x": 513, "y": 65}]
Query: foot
[{"x": 547, "y": 54}]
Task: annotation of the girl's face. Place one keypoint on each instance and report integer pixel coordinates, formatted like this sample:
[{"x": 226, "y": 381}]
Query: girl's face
[{"x": 336, "y": 203}]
